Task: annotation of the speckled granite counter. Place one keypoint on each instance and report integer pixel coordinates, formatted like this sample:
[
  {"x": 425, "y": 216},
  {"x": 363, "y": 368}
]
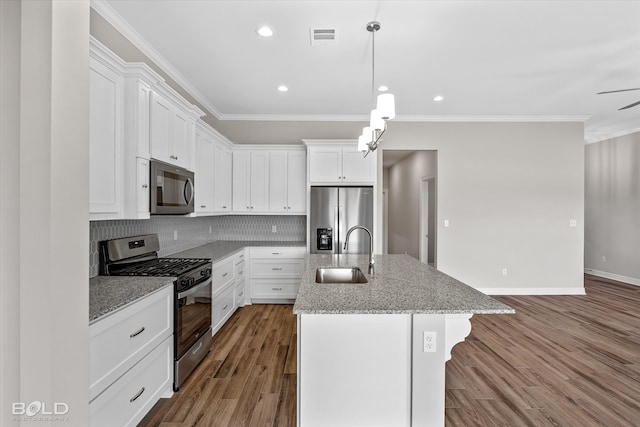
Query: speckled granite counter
[
  {"x": 221, "y": 249},
  {"x": 109, "y": 293},
  {"x": 401, "y": 284}
]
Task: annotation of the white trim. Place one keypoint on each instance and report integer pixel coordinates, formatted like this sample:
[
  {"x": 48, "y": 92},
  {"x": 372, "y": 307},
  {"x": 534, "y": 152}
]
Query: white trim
[
  {"x": 406, "y": 118},
  {"x": 611, "y": 136},
  {"x": 613, "y": 276},
  {"x": 578, "y": 290},
  {"x": 113, "y": 18}
]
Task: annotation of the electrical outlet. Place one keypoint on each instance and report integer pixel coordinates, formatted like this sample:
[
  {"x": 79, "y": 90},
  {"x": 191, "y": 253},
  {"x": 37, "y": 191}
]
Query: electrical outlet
[
  {"x": 273, "y": 228},
  {"x": 604, "y": 258},
  {"x": 446, "y": 222},
  {"x": 504, "y": 272},
  {"x": 429, "y": 342},
  {"x": 175, "y": 234},
  {"x": 573, "y": 223}
]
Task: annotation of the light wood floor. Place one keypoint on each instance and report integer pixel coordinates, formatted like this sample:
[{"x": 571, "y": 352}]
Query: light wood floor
[{"x": 559, "y": 361}]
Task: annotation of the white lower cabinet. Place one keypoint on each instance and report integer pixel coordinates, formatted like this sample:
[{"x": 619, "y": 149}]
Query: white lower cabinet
[
  {"x": 222, "y": 308},
  {"x": 128, "y": 400},
  {"x": 275, "y": 273},
  {"x": 131, "y": 356}
]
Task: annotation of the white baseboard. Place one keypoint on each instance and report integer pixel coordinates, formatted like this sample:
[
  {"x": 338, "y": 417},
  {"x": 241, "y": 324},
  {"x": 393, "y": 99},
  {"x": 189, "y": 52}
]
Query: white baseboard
[
  {"x": 613, "y": 276},
  {"x": 534, "y": 291}
]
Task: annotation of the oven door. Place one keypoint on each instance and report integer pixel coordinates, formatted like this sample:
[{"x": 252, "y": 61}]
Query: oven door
[{"x": 193, "y": 316}]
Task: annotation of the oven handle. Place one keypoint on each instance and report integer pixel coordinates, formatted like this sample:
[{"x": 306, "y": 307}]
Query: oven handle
[{"x": 195, "y": 288}]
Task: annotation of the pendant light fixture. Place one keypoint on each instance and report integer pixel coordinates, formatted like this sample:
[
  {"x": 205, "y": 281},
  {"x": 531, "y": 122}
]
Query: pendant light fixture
[{"x": 385, "y": 108}]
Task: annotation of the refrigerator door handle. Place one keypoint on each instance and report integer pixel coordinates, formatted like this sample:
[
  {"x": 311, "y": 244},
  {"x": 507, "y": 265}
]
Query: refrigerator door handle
[
  {"x": 336, "y": 234},
  {"x": 341, "y": 230}
]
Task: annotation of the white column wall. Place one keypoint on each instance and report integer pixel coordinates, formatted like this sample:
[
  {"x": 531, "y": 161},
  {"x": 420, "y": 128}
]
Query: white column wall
[{"x": 44, "y": 215}]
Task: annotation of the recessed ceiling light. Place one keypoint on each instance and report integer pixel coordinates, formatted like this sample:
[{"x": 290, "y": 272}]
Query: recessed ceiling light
[
  {"x": 282, "y": 88},
  {"x": 438, "y": 98},
  {"x": 264, "y": 31},
  {"x": 383, "y": 88}
]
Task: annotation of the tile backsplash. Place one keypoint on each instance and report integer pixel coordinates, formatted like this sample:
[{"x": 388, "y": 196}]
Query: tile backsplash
[{"x": 192, "y": 232}]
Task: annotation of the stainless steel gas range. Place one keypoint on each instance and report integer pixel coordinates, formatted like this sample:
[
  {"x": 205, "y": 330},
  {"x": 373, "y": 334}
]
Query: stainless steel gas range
[{"x": 138, "y": 256}]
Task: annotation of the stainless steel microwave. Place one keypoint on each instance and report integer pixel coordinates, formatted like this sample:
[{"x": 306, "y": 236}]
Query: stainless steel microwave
[{"x": 172, "y": 189}]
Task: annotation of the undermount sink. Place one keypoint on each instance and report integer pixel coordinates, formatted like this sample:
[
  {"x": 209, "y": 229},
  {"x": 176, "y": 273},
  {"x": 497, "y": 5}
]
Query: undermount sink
[{"x": 340, "y": 275}]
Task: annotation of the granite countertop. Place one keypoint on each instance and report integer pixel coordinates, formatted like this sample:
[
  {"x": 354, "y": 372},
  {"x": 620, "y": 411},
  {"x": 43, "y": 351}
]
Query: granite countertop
[
  {"x": 109, "y": 293},
  {"x": 223, "y": 248},
  {"x": 401, "y": 284}
]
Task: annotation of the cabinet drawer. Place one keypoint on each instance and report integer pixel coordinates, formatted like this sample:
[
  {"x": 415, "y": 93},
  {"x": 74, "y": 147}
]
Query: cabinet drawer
[
  {"x": 223, "y": 273},
  {"x": 239, "y": 257},
  {"x": 278, "y": 252},
  {"x": 240, "y": 273},
  {"x": 284, "y": 268},
  {"x": 128, "y": 400},
  {"x": 274, "y": 289},
  {"x": 222, "y": 307},
  {"x": 119, "y": 341},
  {"x": 239, "y": 294}
]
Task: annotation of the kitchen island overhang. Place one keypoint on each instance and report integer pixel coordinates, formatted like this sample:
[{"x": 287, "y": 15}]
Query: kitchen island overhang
[{"x": 375, "y": 353}]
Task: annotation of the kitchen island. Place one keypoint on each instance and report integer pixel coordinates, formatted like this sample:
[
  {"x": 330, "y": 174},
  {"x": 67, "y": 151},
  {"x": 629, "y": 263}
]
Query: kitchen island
[{"x": 373, "y": 354}]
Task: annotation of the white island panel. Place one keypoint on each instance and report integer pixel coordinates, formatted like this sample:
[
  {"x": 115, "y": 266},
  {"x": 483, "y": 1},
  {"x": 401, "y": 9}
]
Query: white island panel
[{"x": 354, "y": 370}]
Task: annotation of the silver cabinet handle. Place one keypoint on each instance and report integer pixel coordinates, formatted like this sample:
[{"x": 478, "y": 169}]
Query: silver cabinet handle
[
  {"x": 277, "y": 268},
  {"x": 241, "y": 293},
  {"x": 225, "y": 275},
  {"x": 196, "y": 349},
  {"x": 225, "y": 307},
  {"x": 251, "y": 207},
  {"x": 276, "y": 289},
  {"x": 145, "y": 186},
  {"x": 276, "y": 253},
  {"x": 240, "y": 272},
  {"x": 135, "y": 334},
  {"x": 224, "y": 207},
  {"x": 203, "y": 206},
  {"x": 138, "y": 394},
  {"x": 284, "y": 208}
]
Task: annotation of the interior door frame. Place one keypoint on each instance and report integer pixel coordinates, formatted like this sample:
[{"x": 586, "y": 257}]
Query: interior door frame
[{"x": 424, "y": 218}]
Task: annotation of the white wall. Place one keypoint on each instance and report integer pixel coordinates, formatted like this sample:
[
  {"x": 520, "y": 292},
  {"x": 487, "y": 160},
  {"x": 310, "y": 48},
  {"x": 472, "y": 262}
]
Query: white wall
[
  {"x": 44, "y": 207},
  {"x": 509, "y": 191},
  {"x": 612, "y": 208}
]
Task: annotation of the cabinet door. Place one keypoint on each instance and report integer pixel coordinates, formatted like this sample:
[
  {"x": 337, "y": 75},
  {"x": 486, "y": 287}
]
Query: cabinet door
[
  {"x": 357, "y": 169},
  {"x": 241, "y": 181},
  {"x": 204, "y": 163},
  {"x": 297, "y": 182},
  {"x": 222, "y": 178},
  {"x": 278, "y": 202},
  {"x": 228, "y": 177},
  {"x": 259, "y": 178},
  {"x": 325, "y": 165},
  {"x": 142, "y": 185},
  {"x": 160, "y": 120},
  {"x": 179, "y": 144},
  {"x": 105, "y": 142}
]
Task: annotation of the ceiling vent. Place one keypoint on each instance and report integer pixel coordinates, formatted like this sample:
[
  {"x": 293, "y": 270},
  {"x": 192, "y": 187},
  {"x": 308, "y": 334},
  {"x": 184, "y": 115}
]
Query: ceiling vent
[{"x": 323, "y": 36}]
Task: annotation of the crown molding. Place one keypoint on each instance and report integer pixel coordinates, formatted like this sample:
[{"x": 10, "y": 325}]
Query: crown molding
[
  {"x": 404, "y": 118},
  {"x": 113, "y": 18},
  {"x": 608, "y": 136}
]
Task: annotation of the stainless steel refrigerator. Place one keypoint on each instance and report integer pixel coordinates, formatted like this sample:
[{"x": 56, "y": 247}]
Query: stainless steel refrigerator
[{"x": 333, "y": 211}]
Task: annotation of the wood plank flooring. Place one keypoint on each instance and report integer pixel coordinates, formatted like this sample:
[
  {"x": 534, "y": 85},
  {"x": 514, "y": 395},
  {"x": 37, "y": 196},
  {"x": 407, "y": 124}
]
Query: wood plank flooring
[{"x": 559, "y": 361}]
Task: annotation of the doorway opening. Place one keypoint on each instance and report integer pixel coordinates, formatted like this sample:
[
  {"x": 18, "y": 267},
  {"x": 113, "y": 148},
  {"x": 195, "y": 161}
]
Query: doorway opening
[{"x": 410, "y": 197}]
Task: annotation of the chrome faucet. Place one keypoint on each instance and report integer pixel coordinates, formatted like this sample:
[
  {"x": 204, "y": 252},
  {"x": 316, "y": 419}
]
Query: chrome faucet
[{"x": 346, "y": 244}]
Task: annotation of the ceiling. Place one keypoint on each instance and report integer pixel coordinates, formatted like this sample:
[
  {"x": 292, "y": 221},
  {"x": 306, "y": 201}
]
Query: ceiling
[{"x": 491, "y": 60}]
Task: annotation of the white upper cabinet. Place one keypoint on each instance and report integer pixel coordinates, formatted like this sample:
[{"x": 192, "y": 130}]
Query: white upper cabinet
[
  {"x": 169, "y": 132},
  {"x": 106, "y": 87},
  {"x": 203, "y": 169},
  {"x": 250, "y": 181},
  {"x": 172, "y": 127},
  {"x": 287, "y": 181},
  {"x": 339, "y": 163},
  {"x": 222, "y": 177}
]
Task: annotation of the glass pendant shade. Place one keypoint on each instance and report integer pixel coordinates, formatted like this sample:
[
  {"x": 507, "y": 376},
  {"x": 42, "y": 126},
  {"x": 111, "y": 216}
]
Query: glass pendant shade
[
  {"x": 376, "y": 123},
  {"x": 386, "y": 106},
  {"x": 362, "y": 143}
]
